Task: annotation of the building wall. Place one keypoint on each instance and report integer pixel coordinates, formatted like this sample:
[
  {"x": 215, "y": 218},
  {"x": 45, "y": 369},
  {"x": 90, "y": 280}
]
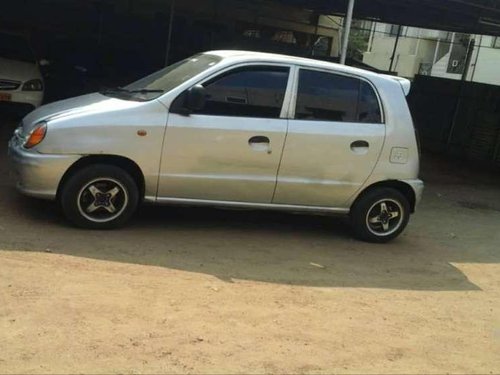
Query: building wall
[
  {"x": 333, "y": 24},
  {"x": 419, "y": 48},
  {"x": 439, "y": 69},
  {"x": 487, "y": 69},
  {"x": 410, "y": 54},
  {"x": 484, "y": 66}
]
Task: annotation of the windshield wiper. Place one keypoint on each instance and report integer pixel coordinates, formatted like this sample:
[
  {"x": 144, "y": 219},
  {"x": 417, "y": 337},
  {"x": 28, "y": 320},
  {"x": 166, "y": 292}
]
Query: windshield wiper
[
  {"x": 138, "y": 91},
  {"x": 142, "y": 91}
]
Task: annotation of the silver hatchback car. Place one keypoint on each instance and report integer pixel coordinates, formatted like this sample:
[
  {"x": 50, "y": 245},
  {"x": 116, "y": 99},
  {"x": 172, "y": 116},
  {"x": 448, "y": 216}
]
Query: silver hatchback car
[{"x": 230, "y": 129}]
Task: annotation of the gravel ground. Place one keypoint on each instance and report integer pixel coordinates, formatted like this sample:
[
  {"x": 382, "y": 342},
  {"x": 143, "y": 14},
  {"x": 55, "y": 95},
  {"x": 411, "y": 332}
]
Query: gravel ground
[{"x": 208, "y": 291}]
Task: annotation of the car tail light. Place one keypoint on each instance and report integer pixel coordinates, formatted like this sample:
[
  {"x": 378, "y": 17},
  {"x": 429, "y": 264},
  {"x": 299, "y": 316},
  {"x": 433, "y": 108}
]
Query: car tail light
[{"x": 36, "y": 136}]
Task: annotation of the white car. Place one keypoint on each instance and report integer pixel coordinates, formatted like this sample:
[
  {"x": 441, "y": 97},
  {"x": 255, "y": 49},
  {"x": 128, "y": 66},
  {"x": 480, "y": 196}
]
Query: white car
[{"x": 20, "y": 77}]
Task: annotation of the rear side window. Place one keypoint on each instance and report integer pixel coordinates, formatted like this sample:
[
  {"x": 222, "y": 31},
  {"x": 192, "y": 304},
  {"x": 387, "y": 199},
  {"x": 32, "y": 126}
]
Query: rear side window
[
  {"x": 331, "y": 97},
  {"x": 254, "y": 91},
  {"x": 369, "y": 107}
]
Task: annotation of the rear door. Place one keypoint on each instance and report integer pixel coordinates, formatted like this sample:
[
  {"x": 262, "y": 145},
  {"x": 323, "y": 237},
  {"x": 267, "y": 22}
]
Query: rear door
[{"x": 334, "y": 140}]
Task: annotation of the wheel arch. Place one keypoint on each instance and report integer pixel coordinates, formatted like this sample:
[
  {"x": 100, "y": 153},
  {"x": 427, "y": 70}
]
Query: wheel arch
[
  {"x": 122, "y": 162},
  {"x": 401, "y": 186}
]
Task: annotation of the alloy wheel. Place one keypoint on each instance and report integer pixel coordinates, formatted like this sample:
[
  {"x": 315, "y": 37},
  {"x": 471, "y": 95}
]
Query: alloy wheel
[
  {"x": 385, "y": 217},
  {"x": 102, "y": 200}
]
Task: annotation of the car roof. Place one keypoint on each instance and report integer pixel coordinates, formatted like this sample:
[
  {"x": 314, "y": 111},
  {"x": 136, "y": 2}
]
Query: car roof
[{"x": 237, "y": 56}]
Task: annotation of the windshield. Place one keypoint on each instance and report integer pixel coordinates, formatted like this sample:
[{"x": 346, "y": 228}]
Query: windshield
[
  {"x": 162, "y": 81},
  {"x": 14, "y": 47}
]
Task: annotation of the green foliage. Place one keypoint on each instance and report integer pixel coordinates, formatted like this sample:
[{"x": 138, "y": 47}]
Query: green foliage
[{"x": 358, "y": 41}]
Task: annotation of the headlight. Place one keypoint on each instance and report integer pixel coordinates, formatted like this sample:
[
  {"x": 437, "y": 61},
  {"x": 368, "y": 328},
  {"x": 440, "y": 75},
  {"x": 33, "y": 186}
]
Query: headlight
[
  {"x": 33, "y": 85},
  {"x": 36, "y": 135}
]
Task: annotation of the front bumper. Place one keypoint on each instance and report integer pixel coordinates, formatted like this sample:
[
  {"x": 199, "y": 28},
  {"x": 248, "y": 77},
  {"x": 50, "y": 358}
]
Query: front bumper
[
  {"x": 38, "y": 175},
  {"x": 32, "y": 98}
]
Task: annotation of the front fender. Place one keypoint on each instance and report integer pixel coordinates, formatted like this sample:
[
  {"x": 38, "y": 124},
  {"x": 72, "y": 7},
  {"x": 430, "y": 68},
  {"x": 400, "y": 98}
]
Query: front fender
[{"x": 135, "y": 133}]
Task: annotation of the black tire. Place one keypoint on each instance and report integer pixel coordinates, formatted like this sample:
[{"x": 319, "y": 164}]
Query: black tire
[
  {"x": 371, "y": 223},
  {"x": 90, "y": 195}
]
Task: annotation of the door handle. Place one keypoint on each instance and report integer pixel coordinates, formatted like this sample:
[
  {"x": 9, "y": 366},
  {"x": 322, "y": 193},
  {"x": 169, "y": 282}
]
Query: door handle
[
  {"x": 260, "y": 143},
  {"x": 360, "y": 144},
  {"x": 360, "y": 147},
  {"x": 259, "y": 139}
]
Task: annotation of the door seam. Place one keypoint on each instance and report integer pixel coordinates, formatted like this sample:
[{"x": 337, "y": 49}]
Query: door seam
[
  {"x": 158, "y": 179},
  {"x": 281, "y": 159}
]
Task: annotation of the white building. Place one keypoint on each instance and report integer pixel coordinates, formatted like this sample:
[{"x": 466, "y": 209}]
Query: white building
[{"x": 432, "y": 52}]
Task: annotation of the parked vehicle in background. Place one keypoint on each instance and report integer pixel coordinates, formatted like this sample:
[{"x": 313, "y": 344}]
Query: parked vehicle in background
[
  {"x": 230, "y": 129},
  {"x": 21, "y": 82}
]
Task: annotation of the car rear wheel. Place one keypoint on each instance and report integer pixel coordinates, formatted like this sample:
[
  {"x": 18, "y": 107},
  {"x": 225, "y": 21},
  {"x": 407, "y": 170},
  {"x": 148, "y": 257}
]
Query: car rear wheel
[
  {"x": 380, "y": 215},
  {"x": 99, "y": 197}
]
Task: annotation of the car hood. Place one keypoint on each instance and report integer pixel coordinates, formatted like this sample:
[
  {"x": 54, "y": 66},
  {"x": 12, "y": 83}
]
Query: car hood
[
  {"x": 90, "y": 104},
  {"x": 18, "y": 70}
]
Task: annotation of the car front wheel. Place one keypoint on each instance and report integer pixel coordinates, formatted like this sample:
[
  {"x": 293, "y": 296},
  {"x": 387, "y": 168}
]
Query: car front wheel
[
  {"x": 380, "y": 215},
  {"x": 99, "y": 197}
]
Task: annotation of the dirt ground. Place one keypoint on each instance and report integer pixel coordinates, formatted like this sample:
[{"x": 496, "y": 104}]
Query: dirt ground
[{"x": 208, "y": 291}]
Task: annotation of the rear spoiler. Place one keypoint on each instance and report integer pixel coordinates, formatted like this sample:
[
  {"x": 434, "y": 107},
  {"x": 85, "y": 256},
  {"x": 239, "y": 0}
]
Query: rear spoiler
[{"x": 405, "y": 83}]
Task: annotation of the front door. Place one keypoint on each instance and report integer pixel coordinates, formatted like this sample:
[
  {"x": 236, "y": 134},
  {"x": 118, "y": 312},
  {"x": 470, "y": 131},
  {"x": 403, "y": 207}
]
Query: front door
[
  {"x": 333, "y": 142},
  {"x": 230, "y": 149}
]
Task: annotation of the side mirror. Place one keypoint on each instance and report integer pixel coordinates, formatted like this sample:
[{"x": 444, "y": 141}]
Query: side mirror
[{"x": 195, "y": 98}]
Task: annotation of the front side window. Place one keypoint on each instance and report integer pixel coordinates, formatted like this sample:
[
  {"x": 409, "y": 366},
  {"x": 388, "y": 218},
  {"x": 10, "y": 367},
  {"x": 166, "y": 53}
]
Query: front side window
[
  {"x": 331, "y": 97},
  {"x": 254, "y": 91}
]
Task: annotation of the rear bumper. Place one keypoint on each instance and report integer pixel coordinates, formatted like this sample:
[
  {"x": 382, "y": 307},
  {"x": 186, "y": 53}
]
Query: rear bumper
[
  {"x": 418, "y": 189},
  {"x": 38, "y": 175}
]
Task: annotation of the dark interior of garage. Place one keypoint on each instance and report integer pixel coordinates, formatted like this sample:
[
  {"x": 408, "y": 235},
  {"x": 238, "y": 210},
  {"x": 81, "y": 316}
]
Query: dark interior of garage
[
  {"x": 91, "y": 44},
  {"x": 96, "y": 43}
]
